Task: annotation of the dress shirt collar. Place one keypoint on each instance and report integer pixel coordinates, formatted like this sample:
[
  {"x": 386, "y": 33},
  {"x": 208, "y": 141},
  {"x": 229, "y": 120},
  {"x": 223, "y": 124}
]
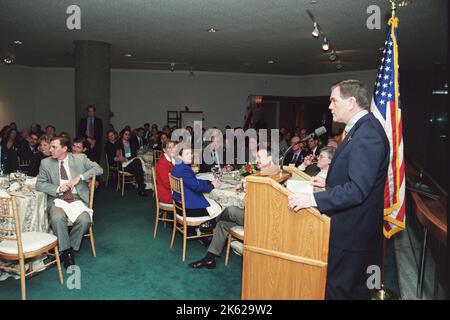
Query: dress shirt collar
[{"x": 354, "y": 120}]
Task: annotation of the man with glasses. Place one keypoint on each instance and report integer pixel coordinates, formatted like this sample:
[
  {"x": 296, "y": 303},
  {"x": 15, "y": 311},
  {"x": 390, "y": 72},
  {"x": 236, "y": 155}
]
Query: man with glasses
[{"x": 296, "y": 156}]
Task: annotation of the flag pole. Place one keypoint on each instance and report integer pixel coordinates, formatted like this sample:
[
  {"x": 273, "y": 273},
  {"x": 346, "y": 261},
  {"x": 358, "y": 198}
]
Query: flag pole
[{"x": 383, "y": 293}]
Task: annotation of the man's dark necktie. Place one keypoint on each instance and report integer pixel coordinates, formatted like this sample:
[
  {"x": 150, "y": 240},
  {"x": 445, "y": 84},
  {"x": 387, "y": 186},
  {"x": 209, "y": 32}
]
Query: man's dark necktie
[
  {"x": 68, "y": 196},
  {"x": 91, "y": 128}
]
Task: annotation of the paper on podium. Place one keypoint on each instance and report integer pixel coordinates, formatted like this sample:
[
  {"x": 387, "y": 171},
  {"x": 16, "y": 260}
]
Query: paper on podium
[
  {"x": 73, "y": 209},
  {"x": 299, "y": 186}
]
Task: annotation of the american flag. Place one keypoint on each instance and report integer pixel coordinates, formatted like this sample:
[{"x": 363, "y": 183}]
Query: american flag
[{"x": 386, "y": 108}]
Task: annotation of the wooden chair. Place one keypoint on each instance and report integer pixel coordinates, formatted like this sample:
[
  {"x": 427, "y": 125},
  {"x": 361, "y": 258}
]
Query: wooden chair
[
  {"x": 18, "y": 246},
  {"x": 110, "y": 171},
  {"x": 124, "y": 178},
  {"x": 182, "y": 222},
  {"x": 157, "y": 154},
  {"x": 235, "y": 233},
  {"x": 90, "y": 232},
  {"x": 161, "y": 208},
  {"x": 23, "y": 164}
]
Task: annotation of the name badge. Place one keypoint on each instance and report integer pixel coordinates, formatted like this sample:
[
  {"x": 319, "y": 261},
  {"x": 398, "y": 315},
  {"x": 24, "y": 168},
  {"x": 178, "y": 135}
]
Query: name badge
[{"x": 127, "y": 154}]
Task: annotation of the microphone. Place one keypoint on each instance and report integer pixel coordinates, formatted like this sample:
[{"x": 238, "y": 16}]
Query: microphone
[{"x": 317, "y": 133}]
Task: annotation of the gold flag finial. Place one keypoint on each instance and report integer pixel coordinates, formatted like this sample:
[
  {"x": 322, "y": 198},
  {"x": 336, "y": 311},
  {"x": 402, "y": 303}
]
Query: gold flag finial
[{"x": 393, "y": 8}]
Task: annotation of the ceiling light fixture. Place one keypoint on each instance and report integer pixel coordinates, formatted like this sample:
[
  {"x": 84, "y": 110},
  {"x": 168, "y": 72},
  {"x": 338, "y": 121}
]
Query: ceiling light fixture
[
  {"x": 315, "y": 33},
  {"x": 172, "y": 67},
  {"x": 18, "y": 42},
  {"x": 404, "y": 3},
  {"x": 339, "y": 66},
  {"x": 333, "y": 55},
  {"x": 270, "y": 62},
  {"x": 212, "y": 30},
  {"x": 325, "y": 44},
  {"x": 9, "y": 58},
  {"x": 128, "y": 55}
]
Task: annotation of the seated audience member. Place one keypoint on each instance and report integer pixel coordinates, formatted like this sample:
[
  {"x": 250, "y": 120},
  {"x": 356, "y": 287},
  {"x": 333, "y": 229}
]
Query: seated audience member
[
  {"x": 50, "y": 131},
  {"x": 36, "y": 129},
  {"x": 9, "y": 152},
  {"x": 79, "y": 145},
  {"x": 2, "y": 158},
  {"x": 296, "y": 155},
  {"x": 23, "y": 137},
  {"x": 313, "y": 146},
  {"x": 126, "y": 151},
  {"x": 64, "y": 176},
  {"x": 230, "y": 217},
  {"x": 163, "y": 138},
  {"x": 323, "y": 163},
  {"x": 332, "y": 142},
  {"x": 4, "y": 131},
  {"x": 196, "y": 203},
  {"x": 139, "y": 139},
  {"x": 163, "y": 168},
  {"x": 214, "y": 156},
  {"x": 111, "y": 148},
  {"x": 28, "y": 147},
  {"x": 44, "y": 152}
]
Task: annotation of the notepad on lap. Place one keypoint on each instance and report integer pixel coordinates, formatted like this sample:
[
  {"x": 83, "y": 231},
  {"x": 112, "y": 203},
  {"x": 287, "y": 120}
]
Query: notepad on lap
[
  {"x": 299, "y": 186},
  {"x": 73, "y": 209}
]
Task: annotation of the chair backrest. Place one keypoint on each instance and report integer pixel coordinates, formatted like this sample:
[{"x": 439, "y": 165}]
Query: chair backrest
[
  {"x": 157, "y": 154},
  {"x": 154, "y": 183},
  {"x": 120, "y": 167},
  {"x": 176, "y": 186},
  {"x": 9, "y": 221},
  {"x": 92, "y": 192},
  {"x": 23, "y": 164}
]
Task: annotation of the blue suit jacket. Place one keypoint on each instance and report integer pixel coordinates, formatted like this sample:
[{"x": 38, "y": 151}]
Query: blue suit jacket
[
  {"x": 193, "y": 187},
  {"x": 354, "y": 196}
]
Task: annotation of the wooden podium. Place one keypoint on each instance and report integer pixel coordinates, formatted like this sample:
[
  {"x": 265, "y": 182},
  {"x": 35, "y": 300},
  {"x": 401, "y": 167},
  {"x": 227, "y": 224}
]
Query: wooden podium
[{"x": 285, "y": 252}]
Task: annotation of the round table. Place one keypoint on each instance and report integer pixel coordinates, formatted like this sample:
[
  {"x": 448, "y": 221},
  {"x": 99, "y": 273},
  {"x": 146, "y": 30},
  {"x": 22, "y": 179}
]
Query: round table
[{"x": 226, "y": 194}]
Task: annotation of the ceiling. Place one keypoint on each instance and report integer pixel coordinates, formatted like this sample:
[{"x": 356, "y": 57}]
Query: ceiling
[{"x": 251, "y": 32}]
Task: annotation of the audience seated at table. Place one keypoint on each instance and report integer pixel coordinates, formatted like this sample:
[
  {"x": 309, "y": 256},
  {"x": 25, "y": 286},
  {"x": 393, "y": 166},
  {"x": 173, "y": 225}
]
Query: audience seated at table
[
  {"x": 163, "y": 168},
  {"x": 9, "y": 151},
  {"x": 230, "y": 217},
  {"x": 297, "y": 154},
  {"x": 319, "y": 169},
  {"x": 126, "y": 151},
  {"x": 195, "y": 202},
  {"x": 44, "y": 152}
]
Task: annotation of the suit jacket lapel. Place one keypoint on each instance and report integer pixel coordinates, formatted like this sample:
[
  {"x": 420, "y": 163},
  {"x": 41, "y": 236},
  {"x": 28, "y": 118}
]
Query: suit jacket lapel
[{"x": 346, "y": 140}]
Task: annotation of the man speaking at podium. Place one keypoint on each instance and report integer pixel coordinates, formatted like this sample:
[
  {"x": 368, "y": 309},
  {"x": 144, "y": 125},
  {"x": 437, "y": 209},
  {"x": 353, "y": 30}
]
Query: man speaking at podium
[{"x": 354, "y": 195}]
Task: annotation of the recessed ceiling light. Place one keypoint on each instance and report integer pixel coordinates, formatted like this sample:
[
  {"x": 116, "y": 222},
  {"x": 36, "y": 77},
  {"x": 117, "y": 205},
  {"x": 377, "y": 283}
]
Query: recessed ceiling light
[
  {"x": 212, "y": 30},
  {"x": 270, "y": 62},
  {"x": 127, "y": 55},
  {"x": 18, "y": 42},
  {"x": 313, "y": 2}
]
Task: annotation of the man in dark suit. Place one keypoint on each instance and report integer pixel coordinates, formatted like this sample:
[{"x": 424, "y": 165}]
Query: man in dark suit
[
  {"x": 296, "y": 155},
  {"x": 28, "y": 147},
  {"x": 354, "y": 196},
  {"x": 91, "y": 128},
  {"x": 139, "y": 139}
]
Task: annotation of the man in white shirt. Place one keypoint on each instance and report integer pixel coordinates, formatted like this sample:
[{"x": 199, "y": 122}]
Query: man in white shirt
[{"x": 323, "y": 162}]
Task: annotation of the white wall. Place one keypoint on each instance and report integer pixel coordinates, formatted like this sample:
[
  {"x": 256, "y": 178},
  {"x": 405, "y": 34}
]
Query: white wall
[
  {"x": 139, "y": 96},
  {"x": 46, "y": 95},
  {"x": 17, "y": 92}
]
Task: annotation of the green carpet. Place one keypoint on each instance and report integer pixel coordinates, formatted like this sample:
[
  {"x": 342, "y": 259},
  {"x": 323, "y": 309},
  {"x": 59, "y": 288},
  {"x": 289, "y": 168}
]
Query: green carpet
[{"x": 130, "y": 264}]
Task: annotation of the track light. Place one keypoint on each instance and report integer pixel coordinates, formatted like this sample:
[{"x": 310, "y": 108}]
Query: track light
[
  {"x": 9, "y": 58},
  {"x": 315, "y": 32},
  {"x": 333, "y": 55},
  {"x": 325, "y": 44}
]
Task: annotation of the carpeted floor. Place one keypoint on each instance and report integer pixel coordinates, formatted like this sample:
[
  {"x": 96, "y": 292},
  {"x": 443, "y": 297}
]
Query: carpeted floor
[{"x": 130, "y": 264}]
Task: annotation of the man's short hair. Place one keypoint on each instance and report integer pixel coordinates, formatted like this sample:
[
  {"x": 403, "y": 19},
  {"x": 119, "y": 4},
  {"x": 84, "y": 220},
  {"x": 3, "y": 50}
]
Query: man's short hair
[
  {"x": 50, "y": 126},
  {"x": 90, "y": 107},
  {"x": 80, "y": 140},
  {"x": 353, "y": 88},
  {"x": 63, "y": 141},
  {"x": 330, "y": 151}
]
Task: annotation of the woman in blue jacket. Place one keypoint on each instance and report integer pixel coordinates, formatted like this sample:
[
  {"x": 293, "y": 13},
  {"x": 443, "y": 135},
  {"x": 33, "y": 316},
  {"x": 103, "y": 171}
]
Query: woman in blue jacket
[{"x": 194, "y": 188}]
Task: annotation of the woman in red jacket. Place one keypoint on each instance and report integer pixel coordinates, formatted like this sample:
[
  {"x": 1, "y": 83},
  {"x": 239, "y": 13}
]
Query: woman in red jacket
[{"x": 163, "y": 168}]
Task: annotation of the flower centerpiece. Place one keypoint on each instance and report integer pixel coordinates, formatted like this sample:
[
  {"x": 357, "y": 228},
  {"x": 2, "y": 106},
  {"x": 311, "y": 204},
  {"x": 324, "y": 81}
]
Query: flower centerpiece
[{"x": 248, "y": 169}]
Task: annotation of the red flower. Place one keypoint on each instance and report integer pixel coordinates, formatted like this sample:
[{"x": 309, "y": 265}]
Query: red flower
[{"x": 248, "y": 167}]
